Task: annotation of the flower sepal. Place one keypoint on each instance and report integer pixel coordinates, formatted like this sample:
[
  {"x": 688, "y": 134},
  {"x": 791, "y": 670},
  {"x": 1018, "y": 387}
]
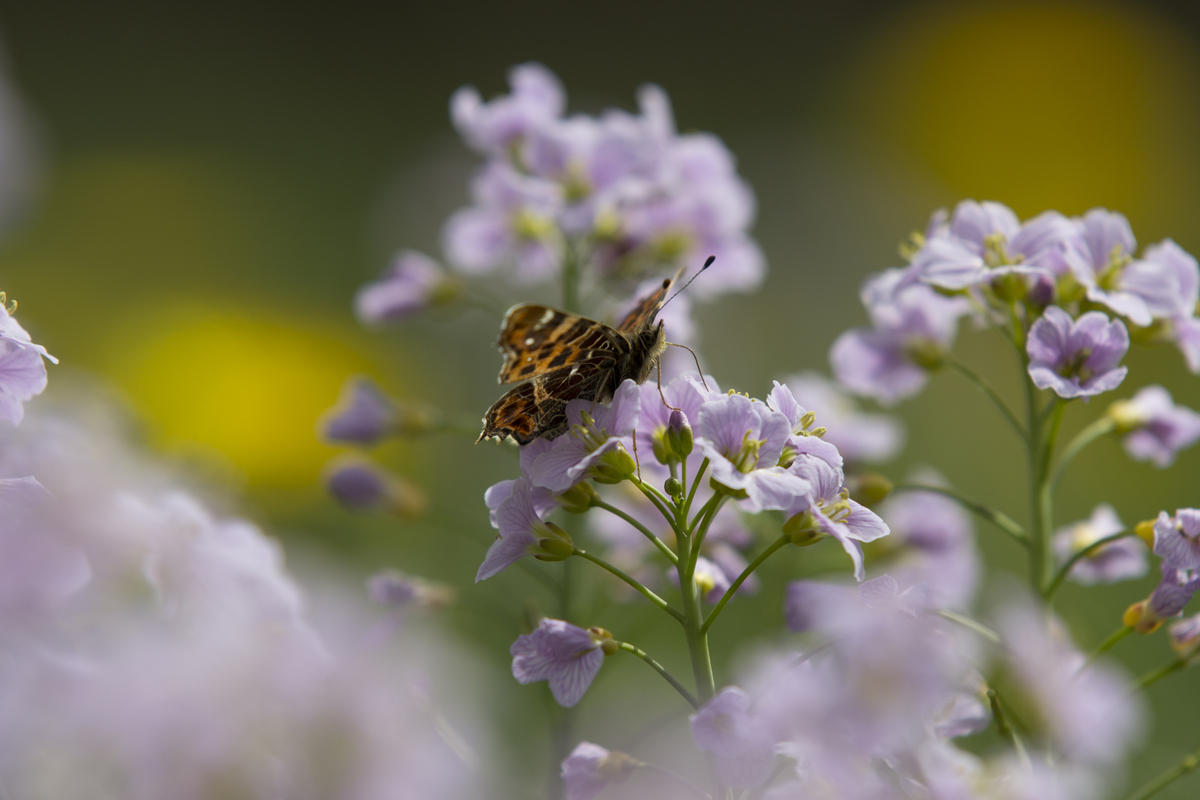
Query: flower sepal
[{"x": 555, "y": 547}]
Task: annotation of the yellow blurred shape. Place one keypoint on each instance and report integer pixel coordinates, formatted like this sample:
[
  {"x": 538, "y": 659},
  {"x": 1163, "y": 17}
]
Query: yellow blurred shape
[
  {"x": 1046, "y": 105},
  {"x": 247, "y": 384}
]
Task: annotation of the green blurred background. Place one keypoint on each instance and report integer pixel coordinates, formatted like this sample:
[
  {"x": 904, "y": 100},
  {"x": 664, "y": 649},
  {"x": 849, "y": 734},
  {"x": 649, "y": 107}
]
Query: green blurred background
[{"x": 218, "y": 178}]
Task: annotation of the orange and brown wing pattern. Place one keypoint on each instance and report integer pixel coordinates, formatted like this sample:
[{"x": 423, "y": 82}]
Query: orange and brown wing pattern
[
  {"x": 538, "y": 407},
  {"x": 537, "y": 339},
  {"x": 642, "y": 315}
]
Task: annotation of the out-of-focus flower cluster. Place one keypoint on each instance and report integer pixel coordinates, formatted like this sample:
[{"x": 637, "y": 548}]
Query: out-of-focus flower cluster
[{"x": 154, "y": 650}]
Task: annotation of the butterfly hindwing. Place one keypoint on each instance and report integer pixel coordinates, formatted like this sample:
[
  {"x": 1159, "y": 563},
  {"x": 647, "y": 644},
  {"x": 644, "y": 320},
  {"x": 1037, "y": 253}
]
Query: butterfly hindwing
[
  {"x": 538, "y": 407},
  {"x": 537, "y": 339}
]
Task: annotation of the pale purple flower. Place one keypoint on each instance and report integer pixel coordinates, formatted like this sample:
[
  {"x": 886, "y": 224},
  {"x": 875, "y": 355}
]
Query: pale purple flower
[
  {"x": 522, "y": 533},
  {"x": 1185, "y": 636},
  {"x": 512, "y": 221},
  {"x": 1086, "y": 709},
  {"x": 914, "y": 327},
  {"x": 1180, "y": 277},
  {"x": 537, "y": 98},
  {"x": 361, "y": 485},
  {"x": 1172, "y": 594},
  {"x": 742, "y": 746},
  {"x": 1177, "y": 538},
  {"x": 1121, "y": 560},
  {"x": 1186, "y": 333},
  {"x": 858, "y": 436},
  {"x": 591, "y": 767},
  {"x": 413, "y": 282},
  {"x": 364, "y": 415},
  {"x": 685, "y": 392},
  {"x": 1105, "y": 248},
  {"x": 711, "y": 579},
  {"x": 965, "y": 713},
  {"x": 565, "y": 655},
  {"x": 22, "y": 372},
  {"x": 392, "y": 588},
  {"x": 985, "y": 241},
  {"x": 813, "y": 605},
  {"x": 826, "y": 509},
  {"x": 497, "y": 493},
  {"x": 744, "y": 441},
  {"x": 1076, "y": 358},
  {"x": 1157, "y": 428},
  {"x": 597, "y": 435},
  {"x": 940, "y": 539}
]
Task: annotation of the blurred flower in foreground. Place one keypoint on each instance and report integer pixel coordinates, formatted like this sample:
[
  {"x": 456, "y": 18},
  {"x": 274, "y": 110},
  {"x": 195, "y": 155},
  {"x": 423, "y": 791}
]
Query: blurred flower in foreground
[
  {"x": 22, "y": 373},
  {"x": 1119, "y": 560},
  {"x": 154, "y": 650}
]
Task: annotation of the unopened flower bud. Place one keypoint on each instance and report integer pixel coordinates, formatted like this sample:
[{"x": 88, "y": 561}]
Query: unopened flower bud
[
  {"x": 578, "y": 499},
  {"x": 359, "y": 485},
  {"x": 1139, "y": 617},
  {"x": 869, "y": 488},
  {"x": 1127, "y": 416},
  {"x": 679, "y": 434},
  {"x": 613, "y": 467},
  {"x": 662, "y": 451},
  {"x": 673, "y": 487}
]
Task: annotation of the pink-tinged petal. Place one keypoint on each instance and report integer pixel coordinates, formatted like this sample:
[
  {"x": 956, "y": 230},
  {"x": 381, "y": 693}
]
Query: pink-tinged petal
[
  {"x": 569, "y": 684},
  {"x": 864, "y": 524},
  {"x": 504, "y": 553},
  {"x": 477, "y": 240}
]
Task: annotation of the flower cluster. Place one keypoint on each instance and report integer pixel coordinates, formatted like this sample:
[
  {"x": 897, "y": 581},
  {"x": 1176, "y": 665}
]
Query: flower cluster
[
  {"x": 625, "y": 194},
  {"x": 22, "y": 372}
]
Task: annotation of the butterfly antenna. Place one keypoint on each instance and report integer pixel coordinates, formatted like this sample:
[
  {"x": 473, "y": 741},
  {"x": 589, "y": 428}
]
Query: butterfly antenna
[
  {"x": 660, "y": 391},
  {"x": 708, "y": 263},
  {"x": 697, "y": 360}
]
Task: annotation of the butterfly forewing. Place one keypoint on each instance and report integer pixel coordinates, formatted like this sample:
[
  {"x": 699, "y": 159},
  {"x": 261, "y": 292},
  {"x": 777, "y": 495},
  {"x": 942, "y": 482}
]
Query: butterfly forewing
[
  {"x": 537, "y": 340},
  {"x": 643, "y": 313}
]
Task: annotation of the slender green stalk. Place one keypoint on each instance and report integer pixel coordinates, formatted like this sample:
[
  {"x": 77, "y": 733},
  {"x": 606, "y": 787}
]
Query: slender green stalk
[
  {"x": 653, "y": 495},
  {"x": 682, "y": 781},
  {"x": 746, "y": 573},
  {"x": 1155, "y": 786},
  {"x": 1156, "y": 675},
  {"x": 1091, "y": 433},
  {"x": 1109, "y": 643},
  {"x": 990, "y": 393},
  {"x": 657, "y": 542},
  {"x": 637, "y": 651},
  {"x": 971, "y": 624},
  {"x": 697, "y": 640},
  {"x": 1001, "y": 520},
  {"x": 649, "y": 595},
  {"x": 1005, "y": 729},
  {"x": 687, "y": 507},
  {"x": 1065, "y": 569}
]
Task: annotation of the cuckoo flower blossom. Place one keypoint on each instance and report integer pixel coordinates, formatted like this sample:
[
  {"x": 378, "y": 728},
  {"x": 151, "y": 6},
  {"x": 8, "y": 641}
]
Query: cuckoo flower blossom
[
  {"x": 914, "y": 327},
  {"x": 591, "y": 767},
  {"x": 537, "y": 98},
  {"x": 1076, "y": 358},
  {"x": 593, "y": 446},
  {"x": 1177, "y": 538},
  {"x": 1157, "y": 428},
  {"x": 22, "y": 373},
  {"x": 858, "y": 436},
  {"x": 364, "y": 415},
  {"x": 744, "y": 440},
  {"x": 564, "y": 654},
  {"x": 523, "y": 533},
  {"x": 826, "y": 509},
  {"x": 1120, "y": 560},
  {"x": 1168, "y": 599},
  {"x": 728, "y": 728},
  {"x": 413, "y": 282}
]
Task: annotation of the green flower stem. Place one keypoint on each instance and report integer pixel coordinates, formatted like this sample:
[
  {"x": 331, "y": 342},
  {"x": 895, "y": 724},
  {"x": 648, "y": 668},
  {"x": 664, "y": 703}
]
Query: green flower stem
[
  {"x": 653, "y": 496},
  {"x": 1004, "y": 728},
  {"x": 990, "y": 393},
  {"x": 746, "y": 573},
  {"x": 682, "y": 781},
  {"x": 1091, "y": 433},
  {"x": 687, "y": 507},
  {"x": 697, "y": 639},
  {"x": 997, "y": 518},
  {"x": 657, "y": 542},
  {"x": 1065, "y": 569},
  {"x": 1110, "y": 642},
  {"x": 649, "y": 595},
  {"x": 637, "y": 651},
  {"x": 1155, "y": 786},
  {"x": 1161, "y": 672},
  {"x": 698, "y": 537},
  {"x": 971, "y": 624}
]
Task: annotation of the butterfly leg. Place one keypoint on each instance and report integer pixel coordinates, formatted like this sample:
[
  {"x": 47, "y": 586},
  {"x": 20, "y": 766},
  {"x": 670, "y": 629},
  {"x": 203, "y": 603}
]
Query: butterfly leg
[{"x": 658, "y": 364}]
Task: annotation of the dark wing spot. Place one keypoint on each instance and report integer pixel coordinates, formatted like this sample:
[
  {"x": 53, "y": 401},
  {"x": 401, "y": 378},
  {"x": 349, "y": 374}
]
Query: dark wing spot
[
  {"x": 528, "y": 369},
  {"x": 560, "y": 359}
]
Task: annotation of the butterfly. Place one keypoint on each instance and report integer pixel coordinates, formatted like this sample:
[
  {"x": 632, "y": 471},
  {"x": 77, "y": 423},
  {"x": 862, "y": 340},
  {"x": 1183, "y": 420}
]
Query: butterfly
[{"x": 560, "y": 357}]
